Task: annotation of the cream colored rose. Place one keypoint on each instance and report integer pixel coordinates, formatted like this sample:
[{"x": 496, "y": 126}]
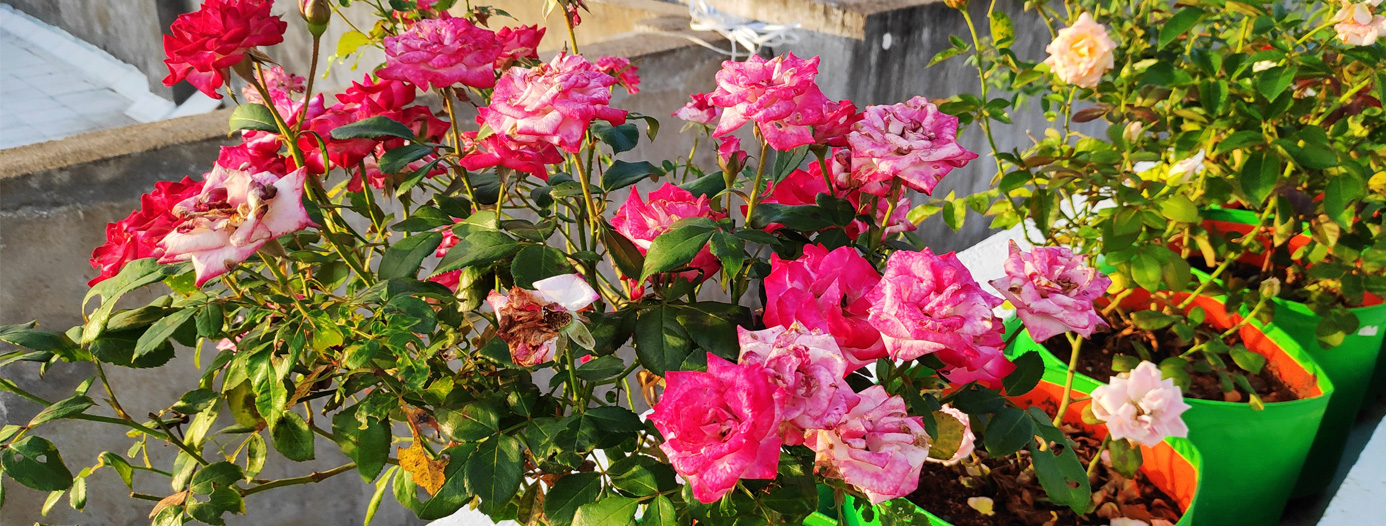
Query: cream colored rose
[
  {"x": 1358, "y": 25},
  {"x": 1081, "y": 53}
]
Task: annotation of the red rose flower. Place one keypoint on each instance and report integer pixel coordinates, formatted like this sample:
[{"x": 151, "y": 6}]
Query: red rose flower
[{"x": 204, "y": 44}]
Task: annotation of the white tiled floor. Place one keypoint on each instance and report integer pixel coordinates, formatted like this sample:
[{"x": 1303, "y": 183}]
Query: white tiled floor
[{"x": 42, "y": 99}]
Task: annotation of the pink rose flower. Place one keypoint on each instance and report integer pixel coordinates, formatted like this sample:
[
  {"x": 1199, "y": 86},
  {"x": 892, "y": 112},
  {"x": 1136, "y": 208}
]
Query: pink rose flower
[
  {"x": 1357, "y": 25},
  {"x": 969, "y": 440},
  {"x": 1053, "y": 291},
  {"x": 624, "y": 72},
  {"x": 1081, "y": 53},
  {"x": 827, "y": 291},
  {"x": 1140, "y": 406},
  {"x": 699, "y": 110},
  {"x": 780, "y": 94},
  {"x": 838, "y": 119},
  {"x": 927, "y": 303},
  {"x": 518, "y": 44},
  {"x": 248, "y": 157},
  {"x": 641, "y": 222},
  {"x": 983, "y": 362},
  {"x": 551, "y": 103},
  {"x": 137, "y": 236},
  {"x": 878, "y": 447},
  {"x": 530, "y": 321},
  {"x": 720, "y": 426},
  {"x": 203, "y": 45},
  {"x": 912, "y": 141},
  {"x": 810, "y": 368},
  {"x": 435, "y": 53},
  {"x": 235, "y": 214},
  {"x": 363, "y": 100},
  {"x": 499, "y": 150}
]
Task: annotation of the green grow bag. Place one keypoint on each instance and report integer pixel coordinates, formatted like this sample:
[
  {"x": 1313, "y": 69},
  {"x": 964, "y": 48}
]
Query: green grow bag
[
  {"x": 1251, "y": 459},
  {"x": 1175, "y": 466},
  {"x": 1354, "y": 367}
]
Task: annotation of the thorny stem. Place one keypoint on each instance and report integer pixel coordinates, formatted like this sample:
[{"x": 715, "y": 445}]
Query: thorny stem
[
  {"x": 572, "y": 36},
  {"x": 175, "y": 441},
  {"x": 290, "y": 138},
  {"x": 312, "y": 76},
  {"x": 115, "y": 404},
  {"x": 317, "y": 476},
  {"x": 1077, "y": 343},
  {"x": 1227, "y": 262}
]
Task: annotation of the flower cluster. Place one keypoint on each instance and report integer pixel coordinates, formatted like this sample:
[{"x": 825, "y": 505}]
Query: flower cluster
[{"x": 202, "y": 46}]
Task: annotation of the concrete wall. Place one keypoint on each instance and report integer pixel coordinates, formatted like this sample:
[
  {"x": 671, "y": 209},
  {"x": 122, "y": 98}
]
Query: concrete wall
[
  {"x": 55, "y": 200},
  {"x": 127, "y": 29}
]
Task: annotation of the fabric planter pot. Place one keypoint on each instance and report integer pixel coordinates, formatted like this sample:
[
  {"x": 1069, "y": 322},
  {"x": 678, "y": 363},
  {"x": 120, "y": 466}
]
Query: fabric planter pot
[
  {"x": 1174, "y": 466},
  {"x": 1354, "y": 366},
  {"x": 1251, "y": 459}
]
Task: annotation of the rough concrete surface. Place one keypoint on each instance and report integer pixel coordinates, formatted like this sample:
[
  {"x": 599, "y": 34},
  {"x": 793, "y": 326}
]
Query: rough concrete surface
[{"x": 127, "y": 29}]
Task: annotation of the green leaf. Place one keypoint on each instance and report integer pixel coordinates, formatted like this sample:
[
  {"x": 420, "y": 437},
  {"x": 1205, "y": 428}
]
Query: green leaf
[
  {"x": 253, "y": 117},
  {"x": 1008, "y": 431},
  {"x": 536, "y": 262},
  {"x": 661, "y": 344},
  {"x": 610, "y": 511},
  {"x": 292, "y": 437},
  {"x": 255, "y": 454},
  {"x": 350, "y": 42},
  {"x": 495, "y": 471},
  {"x": 77, "y": 498},
  {"x": 1146, "y": 270},
  {"x": 601, "y": 368},
  {"x": 641, "y": 476},
  {"x": 223, "y": 499},
  {"x": 216, "y": 474},
  {"x": 24, "y": 335},
  {"x": 1029, "y": 368},
  {"x": 628, "y": 258},
  {"x": 1259, "y": 175},
  {"x": 708, "y": 185},
  {"x": 1341, "y": 197},
  {"x": 477, "y": 246},
  {"x": 66, "y": 408},
  {"x": 34, "y": 462},
  {"x": 394, "y": 161},
  {"x": 678, "y": 246},
  {"x": 1247, "y": 360},
  {"x": 1002, "y": 30},
  {"x": 403, "y": 258},
  {"x": 623, "y": 174},
  {"x": 368, "y": 447},
  {"x": 1178, "y": 25},
  {"x": 1063, "y": 477},
  {"x": 136, "y": 274},
  {"x": 474, "y": 421},
  {"x": 1126, "y": 458},
  {"x": 424, "y": 218},
  {"x": 1152, "y": 320},
  {"x": 1180, "y": 209},
  {"x": 730, "y": 250},
  {"x": 568, "y": 494},
  {"x": 613, "y": 423},
  {"x": 374, "y": 127},
  {"x": 660, "y": 512},
  {"x": 159, "y": 333},
  {"x": 620, "y": 138},
  {"x": 210, "y": 321},
  {"x": 1272, "y": 82},
  {"x": 1239, "y": 140},
  {"x": 803, "y": 218}
]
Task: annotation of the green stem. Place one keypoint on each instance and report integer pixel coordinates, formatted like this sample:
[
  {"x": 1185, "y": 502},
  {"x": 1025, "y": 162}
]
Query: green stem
[
  {"x": 1097, "y": 457},
  {"x": 755, "y": 188},
  {"x": 317, "y": 476},
  {"x": 457, "y": 146},
  {"x": 1076, "y": 342}
]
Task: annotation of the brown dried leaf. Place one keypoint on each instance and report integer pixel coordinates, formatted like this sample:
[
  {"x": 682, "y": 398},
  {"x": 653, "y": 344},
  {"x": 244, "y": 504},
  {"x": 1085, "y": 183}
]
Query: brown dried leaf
[
  {"x": 427, "y": 471},
  {"x": 175, "y": 499}
]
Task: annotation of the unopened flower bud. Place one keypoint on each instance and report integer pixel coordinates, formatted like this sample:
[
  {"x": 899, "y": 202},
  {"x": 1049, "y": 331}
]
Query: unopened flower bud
[
  {"x": 956, "y": 4},
  {"x": 1270, "y": 288},
  {"x": 317, "y": 13},
  {"x": 1133, "y": 131}
]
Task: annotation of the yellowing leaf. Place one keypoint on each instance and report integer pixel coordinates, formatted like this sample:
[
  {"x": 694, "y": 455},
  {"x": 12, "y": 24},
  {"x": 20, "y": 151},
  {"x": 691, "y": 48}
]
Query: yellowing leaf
[{"x": 427, "y": 471}]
